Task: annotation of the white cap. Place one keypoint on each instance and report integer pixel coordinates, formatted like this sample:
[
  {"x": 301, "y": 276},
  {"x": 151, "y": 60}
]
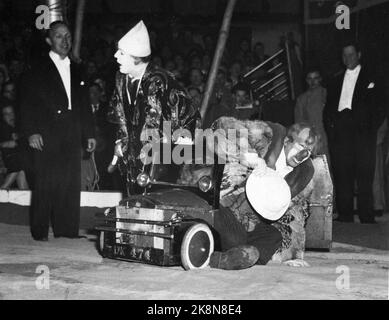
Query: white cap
[
  {"x": 136, "y": 42},
  {"x": 268, "y": 193}
]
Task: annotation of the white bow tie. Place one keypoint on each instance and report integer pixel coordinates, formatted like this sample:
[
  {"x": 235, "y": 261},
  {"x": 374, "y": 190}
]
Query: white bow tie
[
  {"x": 65, "y": 62},
  {"x": 353, "y": 71}
]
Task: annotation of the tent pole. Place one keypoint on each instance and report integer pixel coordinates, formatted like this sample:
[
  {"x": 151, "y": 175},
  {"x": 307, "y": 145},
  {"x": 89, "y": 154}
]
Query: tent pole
[
  {"x": 78, "y": 30},
  {"x": 223, "y": 36}
]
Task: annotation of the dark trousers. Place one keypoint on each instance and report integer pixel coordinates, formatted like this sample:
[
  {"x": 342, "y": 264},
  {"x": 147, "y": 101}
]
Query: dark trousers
[
  {"x": 266, "y": 238},
  {"x": 56, "y": 192},
  {"x": 353, "y": 160}
]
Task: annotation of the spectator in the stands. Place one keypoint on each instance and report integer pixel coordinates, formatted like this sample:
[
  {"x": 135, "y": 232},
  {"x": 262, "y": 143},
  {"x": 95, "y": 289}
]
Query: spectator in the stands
[
  {"x": 229, "y": 84},
  {"x": 241, "y": 94},
  {"x": 235, "y": 72},
  {"x": 16, "y": 68},
  {"x": 169, "y": 65},
  {"x": 196, "y": 95},
  {"x": 9, "y": 91},
  {"x": 244, "y": 53},
  {"x": 11, "y": 145},
  {"x": 180, "y": 64},
  {"x": 221, "y": 102},
  {"x": 196, "y": 79},
  {"x": 91, "y": 71},
  {"x": 310, "y": 105},
  {"x": 243, "y": 103},
  {"x": 195, "y": 62},
  {"x": 259, "y": 53},
  {"x": 102, "y": 83}
]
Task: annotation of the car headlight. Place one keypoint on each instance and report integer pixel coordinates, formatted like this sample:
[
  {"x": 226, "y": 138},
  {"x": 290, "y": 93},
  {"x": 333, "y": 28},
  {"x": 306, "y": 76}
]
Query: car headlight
[
  {"x": 205, "y": 184},
  {"x": 143, "y": 180},
  {"x": 107, "y": 212}
]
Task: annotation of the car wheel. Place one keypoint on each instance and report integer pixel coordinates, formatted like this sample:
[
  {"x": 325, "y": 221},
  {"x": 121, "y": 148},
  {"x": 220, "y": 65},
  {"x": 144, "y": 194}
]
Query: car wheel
[
  {"x": 197, "y": 247},
  {"x": 102, "y": 243}
]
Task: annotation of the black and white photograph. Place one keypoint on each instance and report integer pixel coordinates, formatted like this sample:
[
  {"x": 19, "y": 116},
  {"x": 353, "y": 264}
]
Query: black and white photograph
[{"x": 194, "y": 155}]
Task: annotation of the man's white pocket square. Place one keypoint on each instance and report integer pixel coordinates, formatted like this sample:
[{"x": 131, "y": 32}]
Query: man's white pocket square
[{"x": 371, "y": 85}]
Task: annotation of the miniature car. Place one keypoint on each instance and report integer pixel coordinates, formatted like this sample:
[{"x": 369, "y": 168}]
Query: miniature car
[{"x": 170, "y": 224}]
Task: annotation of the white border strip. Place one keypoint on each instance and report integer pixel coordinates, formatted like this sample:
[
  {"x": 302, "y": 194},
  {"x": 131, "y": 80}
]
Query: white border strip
[{"x": 88, "y": 199}]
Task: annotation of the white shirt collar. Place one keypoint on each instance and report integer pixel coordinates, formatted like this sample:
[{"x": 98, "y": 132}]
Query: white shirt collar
[
  {"x": 57, "y": 59},
  {"x": 282, "y": 167}
]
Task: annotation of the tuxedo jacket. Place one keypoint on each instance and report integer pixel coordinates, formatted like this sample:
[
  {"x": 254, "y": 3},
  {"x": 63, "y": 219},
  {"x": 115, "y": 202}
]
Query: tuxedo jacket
[
  {"x": 368, "y": 106},
  {"x": 43, "y": 100}
]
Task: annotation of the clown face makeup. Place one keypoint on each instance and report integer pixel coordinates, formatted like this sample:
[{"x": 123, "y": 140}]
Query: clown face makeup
[
  {"x": 298, "y": 147},
  {"x": 126, "y": 62},
  {"x": 129, "y": 64}
]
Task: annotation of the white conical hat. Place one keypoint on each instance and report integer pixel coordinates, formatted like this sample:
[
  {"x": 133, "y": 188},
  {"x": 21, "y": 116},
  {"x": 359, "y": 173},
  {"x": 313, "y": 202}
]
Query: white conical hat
[
  {"x": 268, "y": 193},
  {"x": 136, "y": 42}
]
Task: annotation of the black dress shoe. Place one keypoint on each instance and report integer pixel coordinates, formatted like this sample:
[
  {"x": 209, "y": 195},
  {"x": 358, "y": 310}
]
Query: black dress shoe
[
  {"x": 237, "y": 258},
  {"x": 41, "y": 238}
]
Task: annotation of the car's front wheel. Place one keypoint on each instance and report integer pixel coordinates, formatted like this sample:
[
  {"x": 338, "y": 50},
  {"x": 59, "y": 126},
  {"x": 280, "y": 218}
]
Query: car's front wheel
[
  {"x": 101, "y": 244},
  {"x": 197, "y": 246}
]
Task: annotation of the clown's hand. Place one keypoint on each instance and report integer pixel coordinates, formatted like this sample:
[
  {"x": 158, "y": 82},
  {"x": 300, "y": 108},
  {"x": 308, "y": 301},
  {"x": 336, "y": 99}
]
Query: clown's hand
[
  {"x": 118, "y": 152},
  {"x": 297, "y": 263},
  {"x": 252, "y": 160}
]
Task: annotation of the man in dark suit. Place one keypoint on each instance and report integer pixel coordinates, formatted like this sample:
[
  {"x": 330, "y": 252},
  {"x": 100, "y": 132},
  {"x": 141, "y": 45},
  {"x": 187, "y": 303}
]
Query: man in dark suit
[
  {"x": 352, "y": 115},
  {"x": 55, "y": 118}
]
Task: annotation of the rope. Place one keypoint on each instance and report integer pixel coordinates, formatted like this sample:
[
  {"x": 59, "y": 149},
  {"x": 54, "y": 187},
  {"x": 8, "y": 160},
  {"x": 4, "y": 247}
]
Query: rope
[{"x": 95, "y": 183}]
